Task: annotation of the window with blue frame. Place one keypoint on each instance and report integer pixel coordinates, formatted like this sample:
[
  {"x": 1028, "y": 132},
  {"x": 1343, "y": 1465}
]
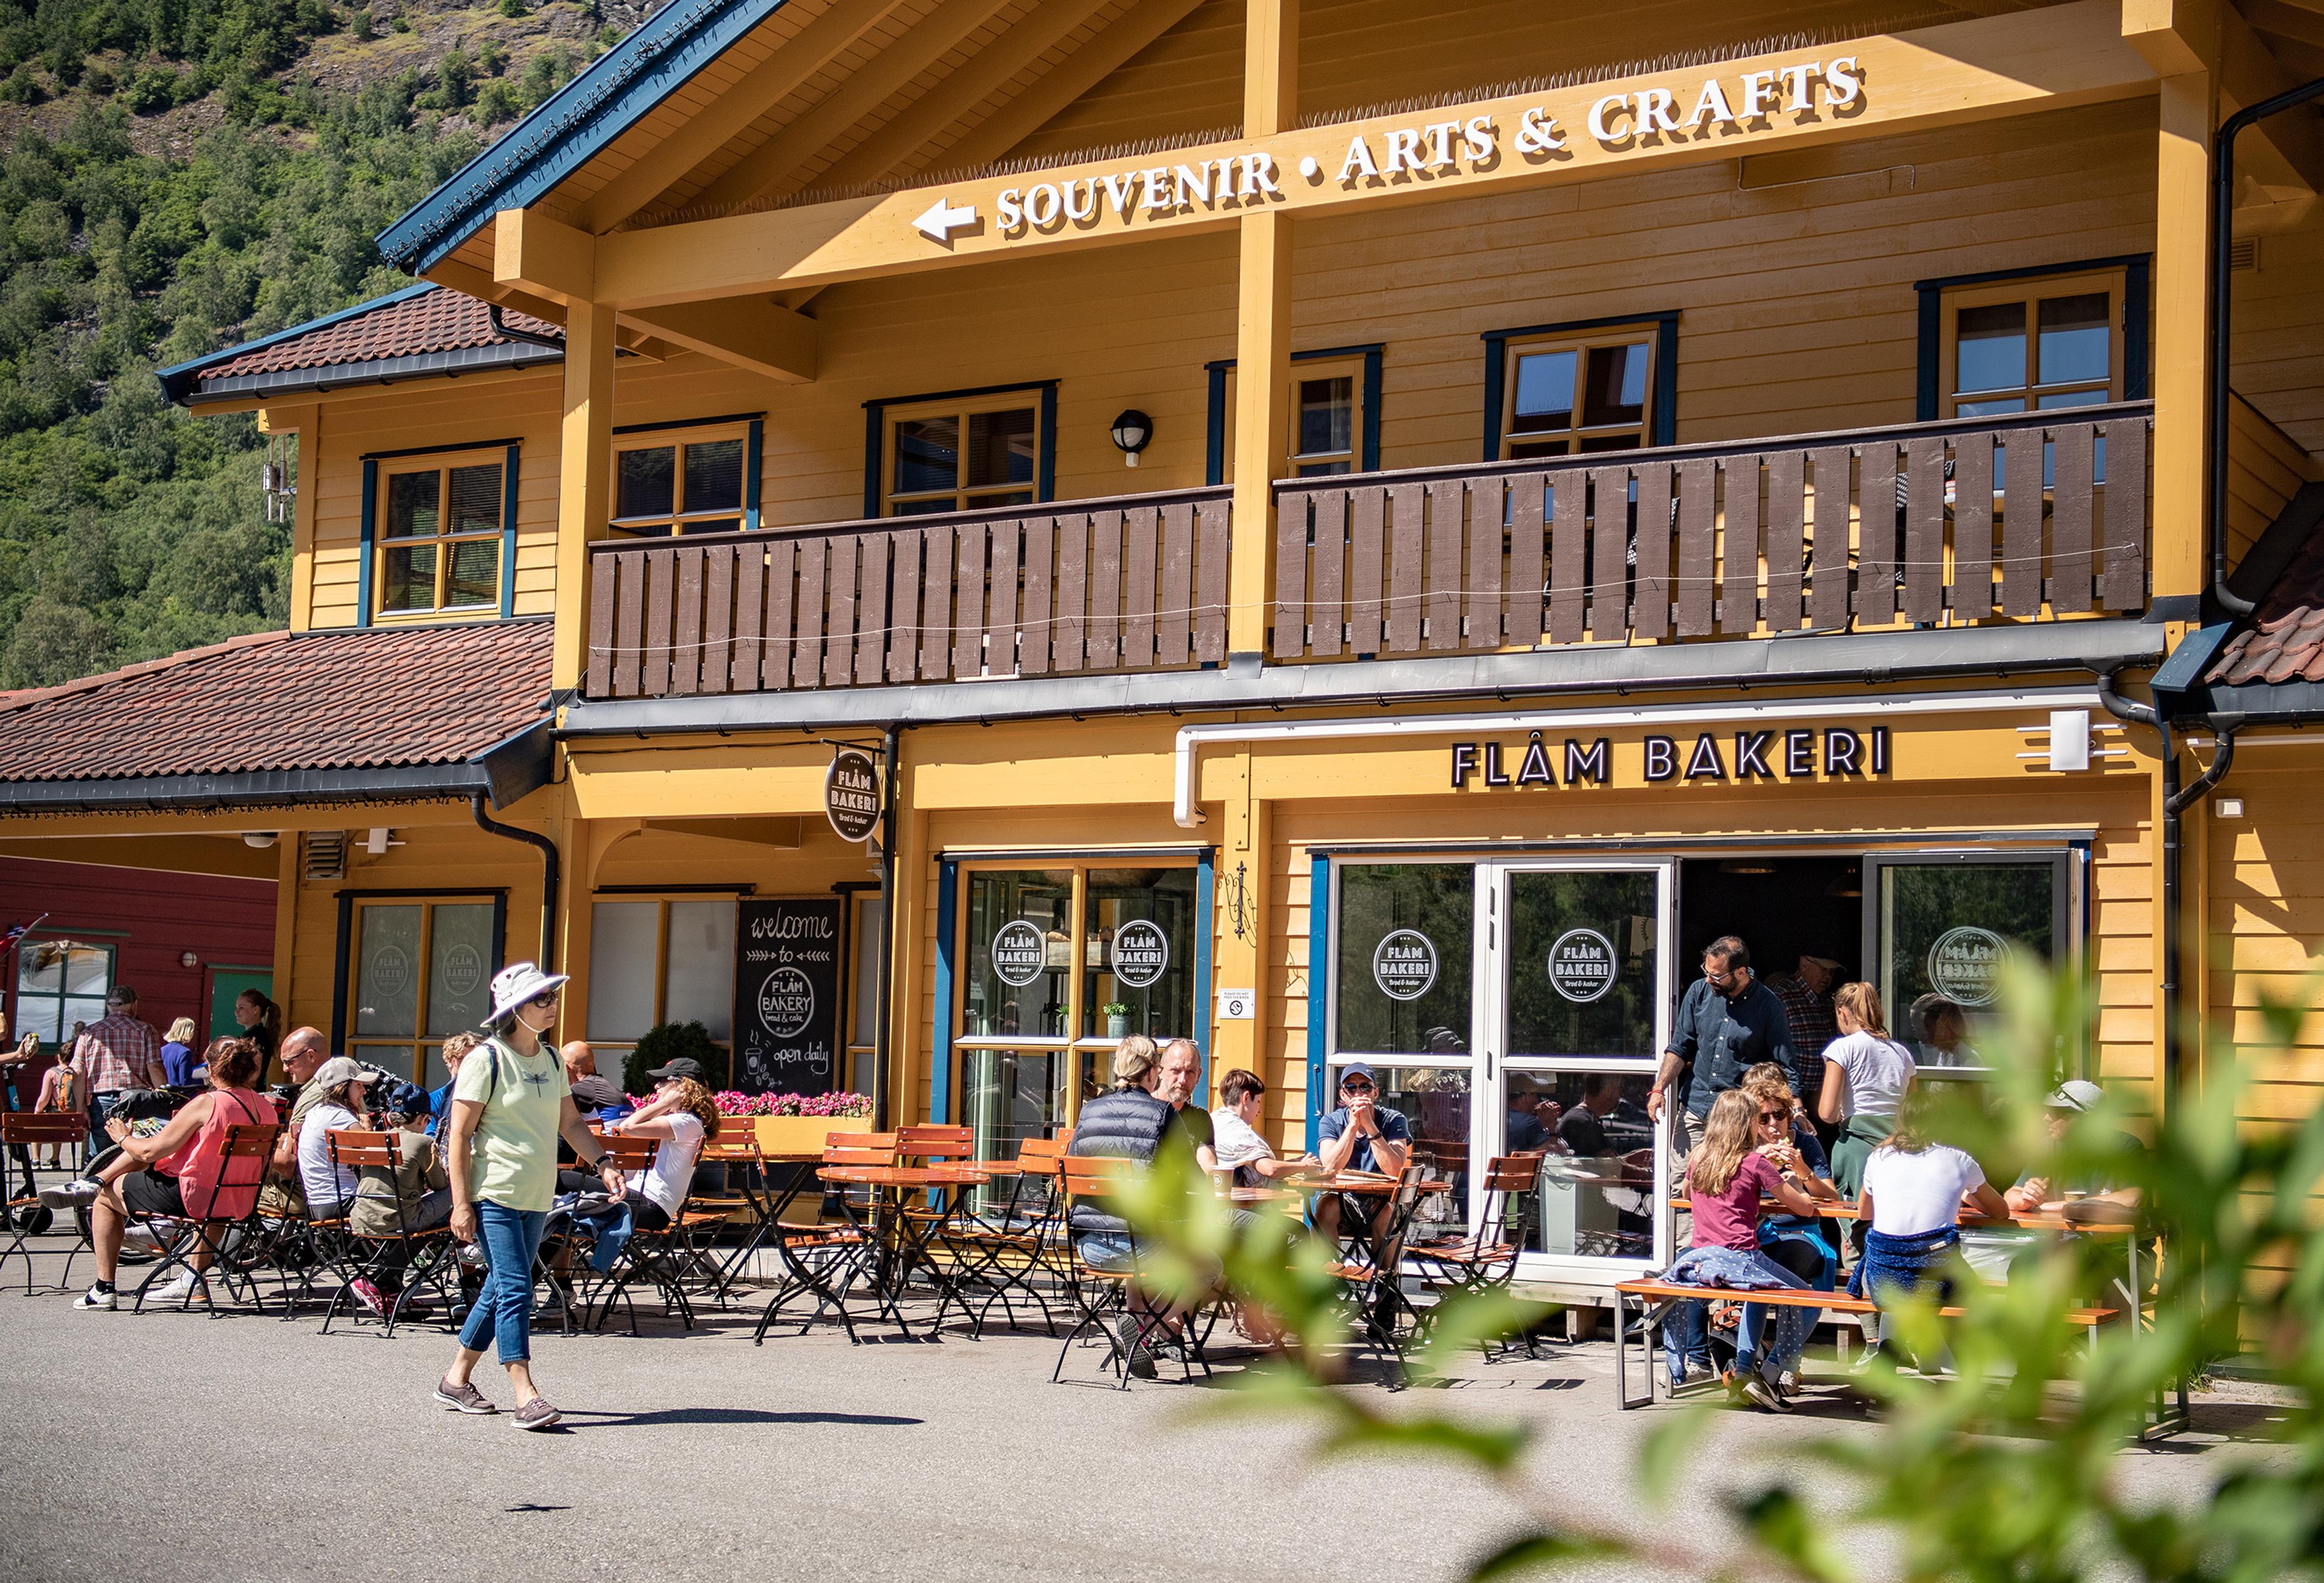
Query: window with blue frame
[
  {"x": 439, "y": 540},
  {"x": 694, "y": 480}
]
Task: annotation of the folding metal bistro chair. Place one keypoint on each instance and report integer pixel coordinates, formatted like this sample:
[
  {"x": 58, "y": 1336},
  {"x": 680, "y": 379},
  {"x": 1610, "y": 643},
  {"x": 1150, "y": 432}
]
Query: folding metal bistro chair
[
  {"x": 1378, "y": 1285},
  {"x": 423, "y": 1258},
  {"x": 1100, "y": 1297},
  {"x": 735, "y": 1150},
  {"x": 823, "y": 1259},
  {"x": 1017, "y": 1245},
  {"x": 244, "y": 1155},
  {"x": 1486, "y": 1259},
  {"x": 28, "y": 1217}
]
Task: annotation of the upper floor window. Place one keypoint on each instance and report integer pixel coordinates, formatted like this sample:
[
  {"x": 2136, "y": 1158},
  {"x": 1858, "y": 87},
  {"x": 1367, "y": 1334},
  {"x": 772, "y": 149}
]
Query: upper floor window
[
  {"x": 696, "y": 482},
  {"x": 2032, "y": 344},
  {"x": 1331, "y": 414},
  {"x": 1324, "y": 422},
  {"x": 1571, "y": 396},
  {"x": 960, "y": 454},
  {"x": 439, "y": 535}
]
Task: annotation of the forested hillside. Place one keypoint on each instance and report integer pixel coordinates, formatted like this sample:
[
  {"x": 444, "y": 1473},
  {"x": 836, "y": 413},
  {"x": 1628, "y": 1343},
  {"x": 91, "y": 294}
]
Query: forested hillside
[{"x": 179, "y": 175}]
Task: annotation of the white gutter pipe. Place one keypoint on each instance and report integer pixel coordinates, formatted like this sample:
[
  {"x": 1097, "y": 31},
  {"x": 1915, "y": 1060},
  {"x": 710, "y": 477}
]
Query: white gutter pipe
[{"x": 1186, "y": 809}]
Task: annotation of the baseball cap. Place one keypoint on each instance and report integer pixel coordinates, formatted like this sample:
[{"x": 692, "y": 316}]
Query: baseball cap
[
  {"x": 685, "y": 1065},
  {"x": 1359, "y": 1068},
  {"x": 1827, "y": 963},
  {"x": 121, "y": 994},
  {"x": 2076, "y": 1095},
  {"x": 341, "y": 1069}
]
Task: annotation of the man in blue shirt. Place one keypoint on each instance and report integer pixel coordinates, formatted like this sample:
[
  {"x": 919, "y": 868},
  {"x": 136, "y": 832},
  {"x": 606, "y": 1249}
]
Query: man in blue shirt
[
  {"x": 1359, "y": 1136},
  {"x": 1727, "y": 1022}
]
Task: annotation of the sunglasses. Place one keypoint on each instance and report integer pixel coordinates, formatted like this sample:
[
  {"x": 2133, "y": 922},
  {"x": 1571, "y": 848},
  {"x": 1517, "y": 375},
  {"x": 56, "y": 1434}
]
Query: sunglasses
[
  {"x": 547, "y": 997},
  {"x": 1358, "y": 1086},
  {"x": 1775, "y": 1115}
]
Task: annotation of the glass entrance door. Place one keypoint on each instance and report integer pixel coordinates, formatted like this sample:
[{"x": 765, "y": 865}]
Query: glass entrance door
[
  {"x": 1940, "y": 932},
  {"x": 1581, "y": 982}
]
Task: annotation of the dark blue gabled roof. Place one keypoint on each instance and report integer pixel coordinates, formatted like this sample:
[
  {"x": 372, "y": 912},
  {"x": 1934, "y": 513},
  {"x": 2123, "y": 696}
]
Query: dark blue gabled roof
[{"x": 578, "y": 122}]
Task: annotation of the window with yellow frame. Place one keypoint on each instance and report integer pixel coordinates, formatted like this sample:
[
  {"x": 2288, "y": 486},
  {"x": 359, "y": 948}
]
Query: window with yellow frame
[
  {"x": 960, "y": 453},
  {"x": 439, "y": 536},
  {"x": 692, "y": 480},
  {"x": 1061, "y": 960},
  {"x": 1329, "y": 425},
  {"x": 421, "y": 970},
  {"x": 2040, "y": 343}
]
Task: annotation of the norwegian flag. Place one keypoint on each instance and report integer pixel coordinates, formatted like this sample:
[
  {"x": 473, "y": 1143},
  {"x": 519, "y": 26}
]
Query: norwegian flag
[{"x": 16, "y": 932}]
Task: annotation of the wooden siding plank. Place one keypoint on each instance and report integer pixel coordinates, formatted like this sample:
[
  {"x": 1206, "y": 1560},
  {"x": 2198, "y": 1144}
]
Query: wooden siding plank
[
  {"x": 807, "y": 612},
  {"x": 1787, "y": 537},
  {"x": 904, "y": 615},
  {"x": 2021, "y": 523},
  {"x": 1568, "y": 551},
  {"x": 1446, "y": 531},
  {"x": 1972, "y": 588},
  {"x": 1924, "y": 529},
  {"x": 1653, "y": 615},
  {"x": 1367, "y": 539},
  {"x": 873, "y": 551},
  {"x": 839, "y": 644},
  {"x": 1173, "y": 623},
  {"x": 1528, "y": 555},
  {"x": 1697, "y": 547},
  {"x": 1001, "y": 600},
  {"x": 604, "y": 577},
  {"x": 1741, "y": 547},
  {"x": 653, "y": 672},
  {"x": 2124, "y": 585},
  {"x": 749, "y": 619},
  {"x": 1039, "y": 628},
  {"x": 1291, "y": 608},
  {"x": 1141, "y": 530},
  {"x": 1875, "y": 531},
  {"x": 936, "y": 604},
  {"x": 1609, "y": 553},
  {"x": 1070, "y": 654},
  {"x": 2069, "y": 523},
  {"x": 1105, "y": 590},
  {"x": 783, "y": 599},
  {"x": 1213, "y": 529},
  {"x": 1483, "y": 596},
  {"x": 1827, "y": 594},
  {"x": 717, "y": 615},
  {"x": 1407, "y": 566},
  {"x": 968, "y": 600}
]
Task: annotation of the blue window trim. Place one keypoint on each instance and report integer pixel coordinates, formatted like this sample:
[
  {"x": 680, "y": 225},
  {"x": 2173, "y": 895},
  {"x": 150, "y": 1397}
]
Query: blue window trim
[
  {"x": 1928, "y": 386},
  {"x": 1662, "y": 426},
  {"x": 1319, "y": 988},
  {"x": 753, "y": 447},
  {"x": 1205, "y": 923},
  {"x": 1214, "y": 429},
  {"x": 875, "y": 435},
  {"x": 368, "y": 538},
  {"x": 508, "y": 533},
  {"x": 940, "y": 1046},
  {"x": 363, "y": 568}
]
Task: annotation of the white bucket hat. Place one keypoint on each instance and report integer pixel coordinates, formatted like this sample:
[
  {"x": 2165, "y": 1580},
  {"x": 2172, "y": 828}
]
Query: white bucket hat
[{"x": 517, "y": 983}]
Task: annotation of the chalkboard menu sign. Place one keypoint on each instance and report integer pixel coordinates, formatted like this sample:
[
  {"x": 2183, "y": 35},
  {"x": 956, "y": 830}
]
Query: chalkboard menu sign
[{"x": 786, "y": 970}]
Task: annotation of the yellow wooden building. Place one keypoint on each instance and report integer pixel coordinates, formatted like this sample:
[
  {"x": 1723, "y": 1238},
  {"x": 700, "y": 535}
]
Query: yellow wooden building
[{"x": 1353, "y": 533}]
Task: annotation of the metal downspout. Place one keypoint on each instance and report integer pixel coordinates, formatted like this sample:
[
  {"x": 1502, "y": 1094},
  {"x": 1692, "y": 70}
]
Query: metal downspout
[
  {"x": 2223, "y": 220},
  {"x": 549, "y": 874},
  {"x": 891, "y": 745},
  {"x": 501, "y": 326}
]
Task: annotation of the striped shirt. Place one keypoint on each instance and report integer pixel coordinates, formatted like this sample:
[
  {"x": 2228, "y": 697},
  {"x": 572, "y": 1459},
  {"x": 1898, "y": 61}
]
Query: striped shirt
[{"x": 117, "y": 1051}]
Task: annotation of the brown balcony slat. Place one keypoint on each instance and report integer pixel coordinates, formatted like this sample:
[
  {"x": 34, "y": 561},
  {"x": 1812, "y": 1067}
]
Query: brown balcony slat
[
  {"x": 1698, "y": 549},
  {"x": 1610, "y": 553},
  {"x": 968, "y": 569},
  {"x": 750, "y": 618},
  {"x": 653, "y": 669},
  {"x": 872, "y": 550},
  {"x": 1070, "y": 654},
  {"x": 1925, "y": 528},
  {"x": 1105, "y": 590},
  {"x": 1291, "y": 599},
  {"x": 2021, "y": 523},
  {"x": 783, "y": 580},
  {"x": 1407, "y": 566},
  {"x": 629, "y": 626},
  {"x": 1828, "y": 592},
  {"x": 1876, "y": 582},
  {"x": 685, "y": 651},
  {"x": 2123, "y": 585},
  {"x": 839, "y": 635},
  {"x": 1367, "y": 541},
  {"x": 2069, "y": 523},
  {"x": 1039, "y": 628},
  {"x": 1972, "y": 585},
  {"x": 1787, "y": 537},
  {"x": 1744, "y": 517},
  {"x": 807, "y": 615},
  {"x": 1654, "y": 590},
  {"x": 1528, "y": 554},
  {"x": 936, "y": 603},
  {"x": 718, "y": 614},
  {"x": 1211, "y": 519},
  {"x": 1447, "y": 528},
  {"x": 1483, "y": 598},
  {"x": 604, "y": 580},
  {"x": 1140, "y": 527},
  {"x": 1000, "y": 619},
  {"x": 1568, "y": 552},
  {"x": 904, "y": 605},
  {"x": 1175, "y": 622}
]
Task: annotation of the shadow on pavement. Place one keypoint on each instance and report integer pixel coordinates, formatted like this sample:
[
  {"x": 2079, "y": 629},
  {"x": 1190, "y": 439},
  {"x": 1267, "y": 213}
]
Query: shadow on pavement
[{"x": 579, "y": 1419}]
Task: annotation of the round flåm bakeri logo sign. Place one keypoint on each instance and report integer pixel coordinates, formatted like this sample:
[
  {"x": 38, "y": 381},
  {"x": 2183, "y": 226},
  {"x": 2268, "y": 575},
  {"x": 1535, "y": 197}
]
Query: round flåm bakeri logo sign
[
  {"x": 787, "y": 1003},
  {"x": 1581, "y": 965},
  {"x": 1966, "y": 965},
  {"x": 1141, "y": 953},
  {"x": 1404, "y": 964},
  {"x": 851, "y": 794},
  {"x": 1020, "y": 952}
]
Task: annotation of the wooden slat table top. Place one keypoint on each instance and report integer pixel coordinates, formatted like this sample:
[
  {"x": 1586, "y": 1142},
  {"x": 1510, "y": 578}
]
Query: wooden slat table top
[
  {"x": 2034, "y": 1220},
  {"x": 902, "y": 1176}
]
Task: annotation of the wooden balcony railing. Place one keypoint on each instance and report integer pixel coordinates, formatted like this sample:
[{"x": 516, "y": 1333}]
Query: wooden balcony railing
[
  {"x": 2033, "y": 515},
  {"x": 1134, "y": 583}
]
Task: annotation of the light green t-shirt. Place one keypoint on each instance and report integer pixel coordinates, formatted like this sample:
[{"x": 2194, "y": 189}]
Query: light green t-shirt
[{"x": 515, "y": 1158}]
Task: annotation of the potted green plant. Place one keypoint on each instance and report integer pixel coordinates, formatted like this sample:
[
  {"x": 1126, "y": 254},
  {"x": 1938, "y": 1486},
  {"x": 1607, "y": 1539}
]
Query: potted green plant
[
  {"x": 1117, "y": 1018},
  {"x": 664, "y": 1043}
]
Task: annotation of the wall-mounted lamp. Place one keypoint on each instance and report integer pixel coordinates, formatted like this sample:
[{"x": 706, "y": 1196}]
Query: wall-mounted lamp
[
  {"x": 1133, "y": 431},
  {"x": 260, "y": 839},
  {"x": 186, "y": 959}
]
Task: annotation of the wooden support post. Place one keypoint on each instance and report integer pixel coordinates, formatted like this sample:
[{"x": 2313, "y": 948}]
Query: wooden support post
[
  {"x": 585, "y": 471},
  {"x": 2182, "y": 349},
  {"x": 576, "y": 860},
  {"x": 1244, "y": 959},
  {"x": 1262, "y": 334}
]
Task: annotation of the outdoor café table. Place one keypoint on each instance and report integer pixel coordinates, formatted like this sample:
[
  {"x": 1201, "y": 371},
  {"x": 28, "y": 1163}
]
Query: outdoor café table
[
  {"x": 800, "y": 1277},
  {"x": 1353, "y": 1187},
  {"x": 894, "y": 1241}
]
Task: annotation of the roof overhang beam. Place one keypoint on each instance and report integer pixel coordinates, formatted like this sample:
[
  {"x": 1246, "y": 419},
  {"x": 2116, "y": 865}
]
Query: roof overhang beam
[{"x": 2283, "y": 155}]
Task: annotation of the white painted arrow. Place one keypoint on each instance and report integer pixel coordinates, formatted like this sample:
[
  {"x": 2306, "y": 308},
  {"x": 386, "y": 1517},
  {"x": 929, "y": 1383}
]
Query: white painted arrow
[{"x": 941, "y": 221}]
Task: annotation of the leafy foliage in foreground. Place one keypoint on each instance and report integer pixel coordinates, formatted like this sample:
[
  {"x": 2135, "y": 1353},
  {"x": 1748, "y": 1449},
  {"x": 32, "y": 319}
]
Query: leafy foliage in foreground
[{"x": 2001, "y": 1473}]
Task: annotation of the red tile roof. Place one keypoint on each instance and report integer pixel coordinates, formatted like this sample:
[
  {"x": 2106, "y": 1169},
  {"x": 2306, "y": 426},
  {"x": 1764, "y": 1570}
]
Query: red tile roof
[
  {"x": 281, "y": 700},
  {"x": 429, "y": 321},
  {"x": 2284, "y": 640}
]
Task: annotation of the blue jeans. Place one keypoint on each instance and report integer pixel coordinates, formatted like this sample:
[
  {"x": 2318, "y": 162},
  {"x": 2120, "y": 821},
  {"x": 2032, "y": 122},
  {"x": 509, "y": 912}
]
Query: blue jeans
[
  {"x": 503, "y": 1310},
  {"x": 1113, "y": 1252},
  {"x": 1684, "y": 1336}
]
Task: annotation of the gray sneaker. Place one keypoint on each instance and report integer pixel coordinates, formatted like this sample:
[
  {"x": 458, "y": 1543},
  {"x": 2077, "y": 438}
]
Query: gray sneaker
[
  {"x": 70, "y": 1195},
  {"x": 464, "y": 1398},
  {"x": 1135, "y": 1356},
  {"x": 537, "y": 1413}
]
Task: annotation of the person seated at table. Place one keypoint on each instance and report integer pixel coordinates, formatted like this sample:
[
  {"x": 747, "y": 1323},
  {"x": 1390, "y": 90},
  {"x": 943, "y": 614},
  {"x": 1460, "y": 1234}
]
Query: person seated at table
[
  {"x": 182, "y": 1172},
  {"x": 413, "y": 1196},
  {"x": 345, "y": 1084},
  {"x": 1127, "y": 1122},
  {"x": 1914, "y": 1189},
  {"x": 681, "y": 1116},
  {"x": 1725, "y": 1178},
  {"x": 1177, "y": 1068},
  {"x": 1238, "y": 1146},
  {"x": 439, "y": 1100},
  {"x": 179, "y": 1069},
  {"x": 1359, "y": 1136},
  {"x": 2088, "y": 1198},
  {"x": 1782, "y": 1135}
]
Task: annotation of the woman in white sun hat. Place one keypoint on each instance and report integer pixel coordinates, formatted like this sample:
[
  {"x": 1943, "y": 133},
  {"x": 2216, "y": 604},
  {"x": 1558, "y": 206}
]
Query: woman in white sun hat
[{"x": 509, "y": 1104}]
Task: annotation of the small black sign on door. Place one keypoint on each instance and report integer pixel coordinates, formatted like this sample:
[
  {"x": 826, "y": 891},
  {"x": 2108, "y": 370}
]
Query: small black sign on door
[{"x": 786, "y": 971}]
